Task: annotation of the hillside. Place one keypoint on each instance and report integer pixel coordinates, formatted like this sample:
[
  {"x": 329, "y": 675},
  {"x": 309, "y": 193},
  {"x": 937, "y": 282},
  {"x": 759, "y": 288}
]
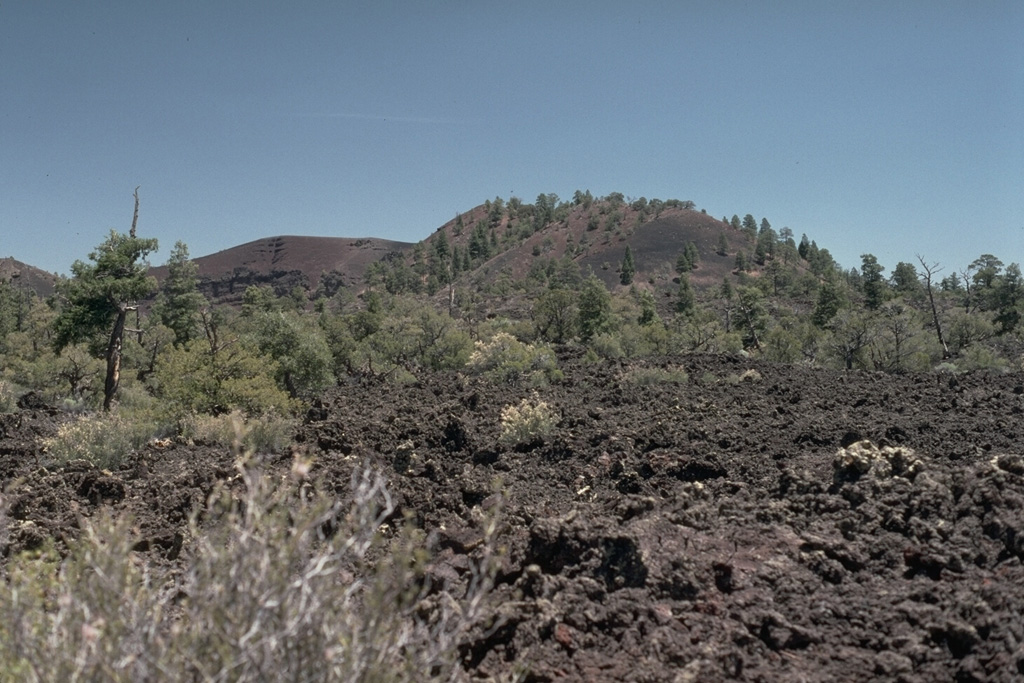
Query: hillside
[
  {"x": 27, "y": 277},
  {"x": 285, "y": 262},
  {"x": 497, "y": 239}
]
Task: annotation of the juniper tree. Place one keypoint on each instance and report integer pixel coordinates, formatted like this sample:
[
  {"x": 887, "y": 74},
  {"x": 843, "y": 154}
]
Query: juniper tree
[{"x": 99, "y": 296}]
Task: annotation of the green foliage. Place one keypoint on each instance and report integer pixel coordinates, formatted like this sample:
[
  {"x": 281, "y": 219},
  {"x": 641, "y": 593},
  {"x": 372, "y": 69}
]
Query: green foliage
[
  {"x": 831, "y": 298},
  {"x": 201, "y": 377},
  {"x": 556, "y": 315},
  {"x": 688, "y": 258},
  {"x": 298, "y": 347},
  {"x": 628, "y": 267},
  {"x": 506, "y": 359},
  {"x": 595, "y": 309},
  {"x": 179, "y": 302},
  {"x": 875, "y": 289},
  {"x": 686, "y": 300},
  {"x": 103, "y": 440},
  {"x": 7, "y": 400},
  {"x": 399, "y": 338},
  {"x": 905, "y": 280},
  {"x": 753, "y": 317},
  {"x": 96, "y": 293},
  {"x": 1007, "y": 298},
  {"x": 266, "y": 433}
]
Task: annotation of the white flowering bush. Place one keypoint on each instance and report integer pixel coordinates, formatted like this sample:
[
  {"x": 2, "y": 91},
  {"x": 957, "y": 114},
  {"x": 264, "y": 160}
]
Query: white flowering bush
[{"x": 531, "y": 421}]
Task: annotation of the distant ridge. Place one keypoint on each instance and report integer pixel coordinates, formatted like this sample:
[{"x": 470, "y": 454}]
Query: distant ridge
[
  {"x": 507, "y": 242},
  {"x": 287, "y": 261},
  {"x": 27, "y": 277}
]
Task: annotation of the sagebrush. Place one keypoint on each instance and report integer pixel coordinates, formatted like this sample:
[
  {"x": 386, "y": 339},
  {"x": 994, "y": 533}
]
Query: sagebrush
[{"x": 277, "y": 584}]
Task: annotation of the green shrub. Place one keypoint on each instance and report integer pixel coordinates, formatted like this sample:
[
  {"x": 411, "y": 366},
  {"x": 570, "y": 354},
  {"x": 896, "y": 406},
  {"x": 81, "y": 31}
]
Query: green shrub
[
  {"x": 263, "y": 595},
  {"x": 506, "y": 359},
  {"x": 529, "y": 422},
  {"x": 607, "y": 345}
]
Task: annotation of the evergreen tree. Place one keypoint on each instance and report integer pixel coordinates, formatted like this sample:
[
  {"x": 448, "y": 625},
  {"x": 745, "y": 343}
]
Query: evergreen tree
[
  {"x": 753, "y": 317},
  {"x": 595, "y": 309},
  {"x": 804, "y": 248},
  {"x": 179, "y": 302},
  {"x": 750, "y": 227},
  {"x": 628, "y": 268},
  {"x": 830, "y": 300},
  {"x": 1008, "y": 296},
  {"x": 648, "y": 312},
  {"x": 683, "y": 264},
  {"x": 905, "y": 279},
  {"x": 723, "y": 245},
  {"x": 686, "y": 301},
  {"x": 99, "y": 296},
  {"x": 874, "y": 283},
  {"x": 741, "y": 261}
]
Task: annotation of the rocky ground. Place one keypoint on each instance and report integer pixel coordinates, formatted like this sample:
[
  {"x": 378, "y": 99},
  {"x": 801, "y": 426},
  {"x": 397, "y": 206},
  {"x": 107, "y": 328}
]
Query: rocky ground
[{"x": 755, "y": 522}]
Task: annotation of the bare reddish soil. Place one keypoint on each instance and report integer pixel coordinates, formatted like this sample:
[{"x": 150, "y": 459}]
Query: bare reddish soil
[{"x": 703, "y": 531}]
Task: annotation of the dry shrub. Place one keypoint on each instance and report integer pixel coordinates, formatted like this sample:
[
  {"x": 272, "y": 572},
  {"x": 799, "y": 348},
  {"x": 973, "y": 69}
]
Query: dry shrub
[
  {"x": 266, "y": 433},
  {"x": 529, "y": 422},
  {"x": 646, "y": 377},
  {"x": 277, "y": 584},
  {"x": 102, "y": 440}
]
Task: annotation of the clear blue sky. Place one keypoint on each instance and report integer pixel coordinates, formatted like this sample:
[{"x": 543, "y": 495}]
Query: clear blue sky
[{"x": 890, "y": 127}]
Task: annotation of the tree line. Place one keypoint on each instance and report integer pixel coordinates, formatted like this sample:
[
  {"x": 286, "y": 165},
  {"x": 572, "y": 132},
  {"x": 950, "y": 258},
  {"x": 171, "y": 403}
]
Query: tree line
[{"x": 110, "y": 325}]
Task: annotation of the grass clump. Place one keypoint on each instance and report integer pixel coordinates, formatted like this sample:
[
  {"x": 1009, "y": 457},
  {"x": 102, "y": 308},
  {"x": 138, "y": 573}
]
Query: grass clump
[
  {"x": 103, "y": 440},
  {"x": 529, "y": 422},
  {"x": 7, "y": 401},
  {"x": 267, "y": 433}
]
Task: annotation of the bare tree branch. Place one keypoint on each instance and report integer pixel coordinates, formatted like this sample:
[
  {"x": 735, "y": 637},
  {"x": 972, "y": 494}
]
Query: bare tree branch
[
  {"x": 930, "y": 270},
  {"x": 135, "y": 218}
]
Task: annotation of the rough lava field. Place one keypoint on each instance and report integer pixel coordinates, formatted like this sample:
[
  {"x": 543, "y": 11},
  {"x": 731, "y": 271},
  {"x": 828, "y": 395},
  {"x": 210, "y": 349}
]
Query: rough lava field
[{"x": 754, "y": 523}]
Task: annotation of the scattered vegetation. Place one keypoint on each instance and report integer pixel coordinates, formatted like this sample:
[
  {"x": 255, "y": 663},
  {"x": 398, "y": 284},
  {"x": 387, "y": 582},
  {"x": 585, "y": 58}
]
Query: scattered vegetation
[
  {"x": 439, "y": 307},
  {"x": 269, "y": 589}
]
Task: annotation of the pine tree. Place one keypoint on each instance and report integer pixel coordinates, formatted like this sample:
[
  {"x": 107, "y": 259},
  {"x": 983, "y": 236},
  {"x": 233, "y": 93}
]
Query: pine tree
[{"x": 628, "y": 268}]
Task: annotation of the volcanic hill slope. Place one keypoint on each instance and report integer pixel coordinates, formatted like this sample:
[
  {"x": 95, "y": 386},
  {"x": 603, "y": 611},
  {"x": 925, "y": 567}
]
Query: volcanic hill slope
[
  {"x": 285, "y": 262},
  {"x": 593, "y": 235},
  {"x": 27, "y": 277}
]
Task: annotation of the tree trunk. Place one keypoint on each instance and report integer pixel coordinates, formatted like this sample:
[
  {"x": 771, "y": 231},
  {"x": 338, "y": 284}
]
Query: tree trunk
[{"x": 114, "y": 358}]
